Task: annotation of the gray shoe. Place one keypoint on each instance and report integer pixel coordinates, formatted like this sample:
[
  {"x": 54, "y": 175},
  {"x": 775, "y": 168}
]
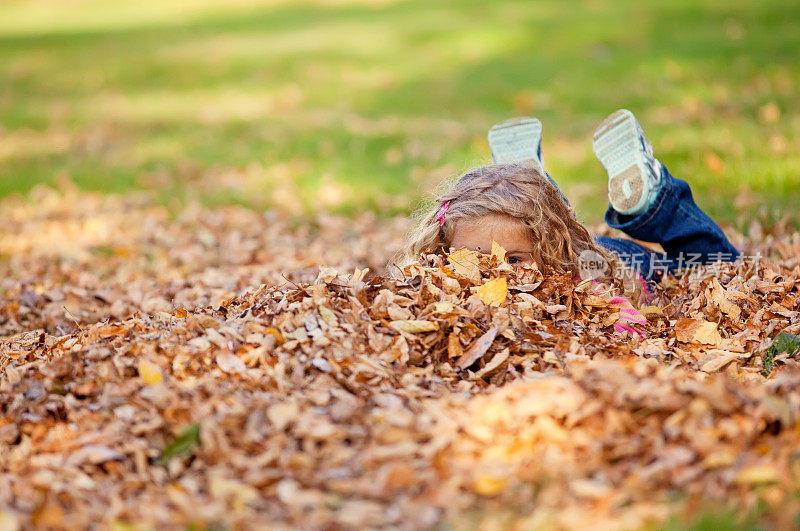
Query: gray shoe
[
  {"x": 634, "y": 175},
  {"x": 517, "y": 140}
]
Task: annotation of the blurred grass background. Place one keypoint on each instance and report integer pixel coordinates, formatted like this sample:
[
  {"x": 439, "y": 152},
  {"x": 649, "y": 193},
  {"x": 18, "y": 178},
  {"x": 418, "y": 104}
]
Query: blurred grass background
[{"x": 346, "y": 105}]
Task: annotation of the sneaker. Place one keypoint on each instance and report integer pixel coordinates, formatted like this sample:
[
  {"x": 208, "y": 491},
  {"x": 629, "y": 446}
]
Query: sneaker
[
  {"x": 517, "y": 140},
  {"x": 634, "y": 175}
]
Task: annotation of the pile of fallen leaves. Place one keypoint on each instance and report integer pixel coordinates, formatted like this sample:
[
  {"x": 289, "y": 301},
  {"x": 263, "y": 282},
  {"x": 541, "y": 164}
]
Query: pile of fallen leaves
[
  {"x": 209, "y": 369},
  {"x": 70, "y": 258}
]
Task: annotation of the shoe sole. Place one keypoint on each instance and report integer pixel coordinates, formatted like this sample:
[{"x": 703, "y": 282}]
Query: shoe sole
[
  {"x": 517, "y": 140},
  {"x": 617, "y": 146}
]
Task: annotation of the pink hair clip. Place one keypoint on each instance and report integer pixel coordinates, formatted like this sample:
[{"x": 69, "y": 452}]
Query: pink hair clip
[{"x": 442, "y": 212}]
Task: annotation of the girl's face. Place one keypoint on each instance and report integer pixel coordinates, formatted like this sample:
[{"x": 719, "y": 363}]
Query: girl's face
[{"x": 477, "y": 235}]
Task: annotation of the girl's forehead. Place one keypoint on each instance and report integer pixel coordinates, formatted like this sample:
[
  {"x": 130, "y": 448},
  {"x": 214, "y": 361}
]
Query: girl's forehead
[
  {"x": 478, "y": 233},
  {"x": 499, "y": 222}
]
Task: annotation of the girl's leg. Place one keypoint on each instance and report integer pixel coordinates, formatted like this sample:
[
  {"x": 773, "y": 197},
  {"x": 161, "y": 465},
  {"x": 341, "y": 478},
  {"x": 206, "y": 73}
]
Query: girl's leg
[
  {"x": 648, "y": 203},
  {"x": 637, "y": 258},
  {"x": 686, "y": 233}
]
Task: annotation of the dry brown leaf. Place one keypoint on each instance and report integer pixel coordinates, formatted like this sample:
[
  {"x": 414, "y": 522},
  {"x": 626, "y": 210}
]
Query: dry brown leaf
[
  {"x": 651, "y": 310},
  {"x": 719, "y": 297},
  {"x": 466, "y": 264},
  {"x": 730, "y": 308},
  {"x": 454, "y": 349},
  {"x": 230, "y": 363},
  {"x": 443, "y": 308},
  {"x": 282, "y": 413},
  {"x": 414, "y": 326},
  {"x": 478, "y": 348},
  {"x": 595, "y": 301},
  {"x": 716, "y": 359},
  {"x": 327, "y": 315},
  {"x": 496, "y": 361},
  {"x": 93, "y": 454},
  {"x": 697, "y": 331}
]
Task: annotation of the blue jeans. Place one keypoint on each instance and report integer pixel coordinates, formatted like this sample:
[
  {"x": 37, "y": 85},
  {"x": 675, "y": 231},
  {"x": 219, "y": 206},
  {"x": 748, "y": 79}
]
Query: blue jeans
[{"x": 688, "y": 236}]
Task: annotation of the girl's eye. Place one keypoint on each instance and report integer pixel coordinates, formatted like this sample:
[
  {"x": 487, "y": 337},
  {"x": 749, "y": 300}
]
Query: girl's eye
[{"x": 513, "y": 260}]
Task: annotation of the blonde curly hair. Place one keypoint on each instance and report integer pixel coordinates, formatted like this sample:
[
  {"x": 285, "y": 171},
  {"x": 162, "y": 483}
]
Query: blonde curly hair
[{"x": 516, "y": 190}]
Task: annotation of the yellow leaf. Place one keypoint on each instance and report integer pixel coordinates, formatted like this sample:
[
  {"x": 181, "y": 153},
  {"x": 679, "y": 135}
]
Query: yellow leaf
[
  {"x": 714, "y": 163},
  {"x": 465, "y": 263},
  {"x": 494, "y": 292},
  {"x": 149, "y": 372},
  {"x": 487, "y": 485},
  {"x": 413, "y": 326},
  {"x": 276, "y": 334},
  {"x": 116, "y": 525},
  {"x": 757, "y": 474},
  {"x": 498, "y": 252}
]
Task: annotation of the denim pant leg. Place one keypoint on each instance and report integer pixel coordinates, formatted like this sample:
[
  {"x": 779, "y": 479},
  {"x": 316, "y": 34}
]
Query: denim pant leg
[
  {"x": 638, "y": 258},
  {"x": 686, "y": 233}
]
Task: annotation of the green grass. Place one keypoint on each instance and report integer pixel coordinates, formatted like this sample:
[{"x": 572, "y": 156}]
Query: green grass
[{"x": 346, "y": 105}]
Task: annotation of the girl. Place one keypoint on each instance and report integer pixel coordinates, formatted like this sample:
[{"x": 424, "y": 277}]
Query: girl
[{"x": 515, "y": 203}]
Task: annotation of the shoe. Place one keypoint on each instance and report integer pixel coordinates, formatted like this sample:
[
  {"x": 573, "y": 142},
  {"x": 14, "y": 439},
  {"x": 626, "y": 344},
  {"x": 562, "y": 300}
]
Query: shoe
[
  {"x": 517, "y": 140},
  {"x": 634, "y": 175}
]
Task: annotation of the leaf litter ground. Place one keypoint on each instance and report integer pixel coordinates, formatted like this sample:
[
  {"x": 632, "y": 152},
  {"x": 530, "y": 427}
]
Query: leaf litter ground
[{"x": 230, "y": 367}]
